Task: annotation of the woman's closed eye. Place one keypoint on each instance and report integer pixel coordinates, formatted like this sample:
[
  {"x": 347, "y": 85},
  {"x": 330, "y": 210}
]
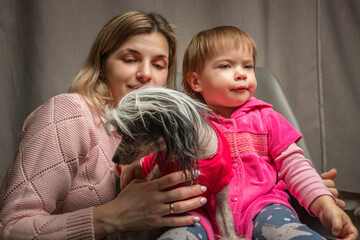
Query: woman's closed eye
[
  {"x": 160, "y": 64},
  {"x": 129, "y": 60}
]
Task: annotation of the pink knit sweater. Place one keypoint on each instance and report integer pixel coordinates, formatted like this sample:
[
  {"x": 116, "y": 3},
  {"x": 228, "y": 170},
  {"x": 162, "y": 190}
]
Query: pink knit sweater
[{"x": 61, "y": 171}]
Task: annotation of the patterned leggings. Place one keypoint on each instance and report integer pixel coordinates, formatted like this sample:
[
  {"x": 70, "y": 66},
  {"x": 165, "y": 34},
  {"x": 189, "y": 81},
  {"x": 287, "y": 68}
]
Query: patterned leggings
[
  {"x": 279, "y": 222},
  {"x": 274, "y": 222},
  {"x": 193, "y": 232}
]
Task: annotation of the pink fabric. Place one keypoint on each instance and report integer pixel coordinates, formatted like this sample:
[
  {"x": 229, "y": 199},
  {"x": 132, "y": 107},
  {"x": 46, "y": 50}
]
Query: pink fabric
[
  {"x": 257, "y": 135},
  {"x": 216, "y": 173},
  {"x": 217, "y": 165},
  {"x": 204, "y": 221},
  {"x": 62, "y": 170},
  {"x": 300, "y": 177}
]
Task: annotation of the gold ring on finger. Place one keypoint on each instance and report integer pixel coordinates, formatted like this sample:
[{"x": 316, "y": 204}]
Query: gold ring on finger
[{"x": 171, "y": 207}]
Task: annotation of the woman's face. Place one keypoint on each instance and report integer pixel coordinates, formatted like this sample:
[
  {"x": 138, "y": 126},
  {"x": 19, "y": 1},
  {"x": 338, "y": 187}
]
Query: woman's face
[{"x": 142, "y": 60}]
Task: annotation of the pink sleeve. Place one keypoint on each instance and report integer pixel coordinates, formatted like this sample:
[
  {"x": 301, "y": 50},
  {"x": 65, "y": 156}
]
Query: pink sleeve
[
  {"x": 205, "y": 222},
  {"x": 40, "y": 177},
  {"x": 301, "y": 179},
  {"x": 280, "y": 132}
]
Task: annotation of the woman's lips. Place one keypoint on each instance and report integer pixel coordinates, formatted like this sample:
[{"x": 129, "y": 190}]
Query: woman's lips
[{"x": 135, "y": 86}]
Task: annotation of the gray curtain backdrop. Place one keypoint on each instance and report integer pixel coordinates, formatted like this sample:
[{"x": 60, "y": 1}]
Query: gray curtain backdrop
[{"x": 312, "y": 46}]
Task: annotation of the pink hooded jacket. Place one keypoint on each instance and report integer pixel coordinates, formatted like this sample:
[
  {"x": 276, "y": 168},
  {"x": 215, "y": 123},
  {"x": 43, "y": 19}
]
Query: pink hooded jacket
[{"x": 265, "y": 161}]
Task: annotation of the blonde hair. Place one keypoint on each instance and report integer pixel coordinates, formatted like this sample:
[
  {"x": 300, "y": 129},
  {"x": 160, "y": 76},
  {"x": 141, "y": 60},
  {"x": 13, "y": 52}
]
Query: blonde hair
[
  {"x": 208, "y": 42},
  {"x": 90, "y": 82}
]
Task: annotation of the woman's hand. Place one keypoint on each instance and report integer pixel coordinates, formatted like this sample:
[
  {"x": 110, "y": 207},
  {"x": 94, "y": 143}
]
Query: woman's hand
[
  {"x": 330, "y": 184},
  {"x": 146, "y": 205},
  {"x": 333, "y": 218},
  {"x": 129, "y": 173}
]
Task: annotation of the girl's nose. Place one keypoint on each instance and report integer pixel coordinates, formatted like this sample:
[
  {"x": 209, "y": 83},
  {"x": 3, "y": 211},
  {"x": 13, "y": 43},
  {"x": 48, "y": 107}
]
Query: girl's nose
[
  {"x": 240, "y": 73},
  {"x": 240, "y": 76}
]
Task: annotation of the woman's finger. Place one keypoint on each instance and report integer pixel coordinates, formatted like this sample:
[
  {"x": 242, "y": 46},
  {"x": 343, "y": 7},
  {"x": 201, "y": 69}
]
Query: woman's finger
[
  {"x": 182, "y": 193},
  {"x": 189, "y": 204},
  {"x": 340, "y": 203},
  {"x": 129, "y": 173},
  {"x": 330, "y": 174},
  {"x": 178, "y": 221},
  {"x": 334, "y": 192},
  {"x": 329, "y": 183},
  {"x": 126, "y": 176},
  {"x": 182, "y": 206},
  {"x": 172, "y": 179}
]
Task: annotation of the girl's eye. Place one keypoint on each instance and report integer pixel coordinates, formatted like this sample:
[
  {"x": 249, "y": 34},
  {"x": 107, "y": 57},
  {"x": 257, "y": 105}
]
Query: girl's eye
[
  {"x": 249, "y": 66},
  {"x": 224, "y": 66}
]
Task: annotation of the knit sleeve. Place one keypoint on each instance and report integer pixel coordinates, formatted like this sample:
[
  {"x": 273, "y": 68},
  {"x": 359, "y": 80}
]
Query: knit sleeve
[
  {"x": 53, "y": 144},
  {"x": 301, "y": 179}
]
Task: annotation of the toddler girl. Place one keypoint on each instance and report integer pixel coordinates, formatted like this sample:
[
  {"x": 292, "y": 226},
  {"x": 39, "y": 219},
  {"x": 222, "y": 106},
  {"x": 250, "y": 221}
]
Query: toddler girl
[{"x": 218, "y": 69}]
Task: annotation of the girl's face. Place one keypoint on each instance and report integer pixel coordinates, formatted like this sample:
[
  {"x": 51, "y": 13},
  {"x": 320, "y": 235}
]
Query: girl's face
[
  {"x": 142, "y": 60},
  {"x": 227, "y": 80}
]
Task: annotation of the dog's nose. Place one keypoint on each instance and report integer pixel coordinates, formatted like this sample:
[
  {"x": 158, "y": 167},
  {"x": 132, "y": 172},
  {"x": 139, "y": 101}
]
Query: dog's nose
[{"x": 116, "y": 159}]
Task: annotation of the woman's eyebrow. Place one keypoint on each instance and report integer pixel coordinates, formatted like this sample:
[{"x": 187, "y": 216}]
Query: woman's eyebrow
[
  {"x": 128, "y": 50},
  {"x": 162, "y": 56},
  {"x": 131, "y": 50},
  {"x": 137, "y": 52}
]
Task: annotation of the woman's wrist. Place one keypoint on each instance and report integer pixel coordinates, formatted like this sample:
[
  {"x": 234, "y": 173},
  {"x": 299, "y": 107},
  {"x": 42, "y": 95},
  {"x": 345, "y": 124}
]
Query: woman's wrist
[{"x": 101, "y": 223}]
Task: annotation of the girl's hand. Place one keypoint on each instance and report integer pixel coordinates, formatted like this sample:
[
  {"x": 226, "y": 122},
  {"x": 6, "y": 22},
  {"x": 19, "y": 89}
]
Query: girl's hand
[
  {"x": 146, "y": 205},
  {"x": 330, "y": 184},
  {"x": 334, "y": 218}
]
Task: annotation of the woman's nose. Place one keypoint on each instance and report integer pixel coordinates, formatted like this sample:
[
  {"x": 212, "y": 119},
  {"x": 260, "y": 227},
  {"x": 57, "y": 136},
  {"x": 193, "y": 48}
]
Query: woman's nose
[{"x": 144, "y": 73}]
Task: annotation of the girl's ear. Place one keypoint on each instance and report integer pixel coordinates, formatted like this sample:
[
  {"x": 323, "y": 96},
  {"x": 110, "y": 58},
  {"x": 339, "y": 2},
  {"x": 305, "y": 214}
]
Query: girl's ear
[{"x": 194, "y": 81}]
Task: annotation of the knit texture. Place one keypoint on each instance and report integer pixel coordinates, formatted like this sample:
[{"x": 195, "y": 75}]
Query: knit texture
[{"x": 61, "y": 171}]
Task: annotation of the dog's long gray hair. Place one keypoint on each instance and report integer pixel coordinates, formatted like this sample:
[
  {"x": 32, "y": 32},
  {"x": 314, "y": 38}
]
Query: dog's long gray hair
[{"x": 151, "y": 115}]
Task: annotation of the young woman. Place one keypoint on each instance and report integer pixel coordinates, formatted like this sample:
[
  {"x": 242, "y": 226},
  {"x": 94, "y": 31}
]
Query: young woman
[{"x": 61, "y": 184}]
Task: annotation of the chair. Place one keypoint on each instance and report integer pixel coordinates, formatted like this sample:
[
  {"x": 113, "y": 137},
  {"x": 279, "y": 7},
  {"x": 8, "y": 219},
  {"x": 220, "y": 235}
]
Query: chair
[{"x": 270, "y": 91}]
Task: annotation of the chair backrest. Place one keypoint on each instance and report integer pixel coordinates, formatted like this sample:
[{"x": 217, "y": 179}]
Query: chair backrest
[{"x": 270, "y": 91}]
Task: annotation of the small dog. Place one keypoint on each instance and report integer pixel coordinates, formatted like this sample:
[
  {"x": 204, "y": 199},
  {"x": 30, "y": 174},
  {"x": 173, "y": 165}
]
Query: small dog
[{"x": 157, "y": 119}]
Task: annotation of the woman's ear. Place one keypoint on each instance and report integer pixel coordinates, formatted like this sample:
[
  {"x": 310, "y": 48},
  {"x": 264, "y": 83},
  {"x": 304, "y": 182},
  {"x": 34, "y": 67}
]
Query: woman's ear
[{"x": 194, "y": 81}]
